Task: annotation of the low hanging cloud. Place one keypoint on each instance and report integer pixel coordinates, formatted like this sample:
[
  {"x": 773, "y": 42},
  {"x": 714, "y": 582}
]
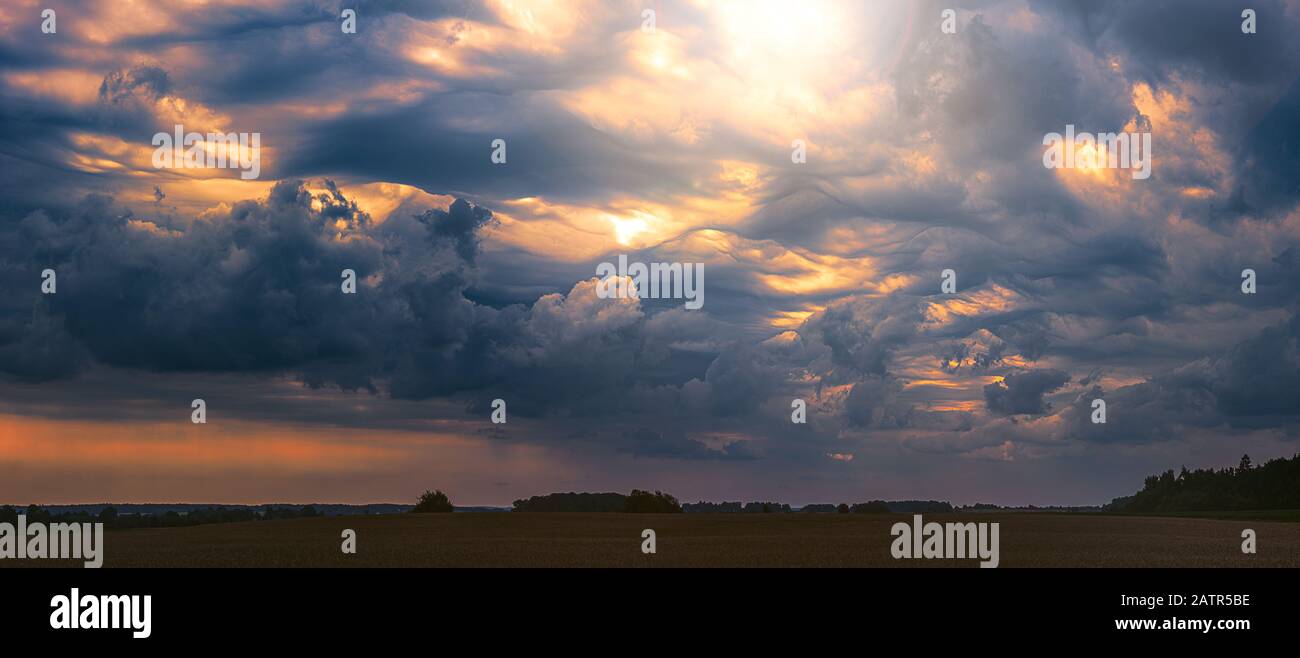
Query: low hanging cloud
[{"x": 1022, "y": 392}]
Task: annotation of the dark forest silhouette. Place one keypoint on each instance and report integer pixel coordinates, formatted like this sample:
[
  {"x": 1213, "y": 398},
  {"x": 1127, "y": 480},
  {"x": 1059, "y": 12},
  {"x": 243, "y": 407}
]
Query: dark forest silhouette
[{"x": 1273, "y": 486}]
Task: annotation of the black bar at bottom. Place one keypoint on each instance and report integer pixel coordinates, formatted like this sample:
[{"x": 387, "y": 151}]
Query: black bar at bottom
[{"x": 323, "y": 607}]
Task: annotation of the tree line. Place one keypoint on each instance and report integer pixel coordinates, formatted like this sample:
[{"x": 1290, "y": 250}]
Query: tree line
[
  {"x": 111, "y": 519},
  {"x": 638, "y": 501},
  {"x": 1273, "y": 486}
]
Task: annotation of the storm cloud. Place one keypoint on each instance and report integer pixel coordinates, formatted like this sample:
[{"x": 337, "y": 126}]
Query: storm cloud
[{"x": 476, "y": 279}]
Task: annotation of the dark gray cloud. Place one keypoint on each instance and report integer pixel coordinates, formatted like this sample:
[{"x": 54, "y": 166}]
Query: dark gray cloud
[
  {"x": 256, "y": 289},
  {"x": 862, "y": 334},
  {"x": 1250, "y": 386},
  {"x": 548, "y": 153},
  {"x": 675, "y": 444},
  {"x": 1198, "y": 37},
  {"x": 1022, "y": 392},
  {"x": 1259, "y": 377}
]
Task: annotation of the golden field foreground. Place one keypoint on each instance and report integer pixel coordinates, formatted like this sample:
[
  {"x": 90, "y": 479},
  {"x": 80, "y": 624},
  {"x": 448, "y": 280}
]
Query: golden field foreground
[{"x": 690, "y": 540}]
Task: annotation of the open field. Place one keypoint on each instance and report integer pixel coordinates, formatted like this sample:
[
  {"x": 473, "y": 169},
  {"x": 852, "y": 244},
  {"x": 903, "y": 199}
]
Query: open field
[{"x": 689, "y": 540}]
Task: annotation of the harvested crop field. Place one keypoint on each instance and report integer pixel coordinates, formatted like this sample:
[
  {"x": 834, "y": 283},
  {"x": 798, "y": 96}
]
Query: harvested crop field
[{"x": 690, "y": 540}]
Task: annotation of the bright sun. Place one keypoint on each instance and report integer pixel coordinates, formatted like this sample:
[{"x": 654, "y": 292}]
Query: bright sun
[
  {"x": 781, "y": 27},
  {"x": 776, "y": 25},
  {"x": 627, "y": 229}
]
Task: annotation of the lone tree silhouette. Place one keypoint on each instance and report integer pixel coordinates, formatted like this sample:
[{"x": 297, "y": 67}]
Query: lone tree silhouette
[{"x": 433, "y": 501}]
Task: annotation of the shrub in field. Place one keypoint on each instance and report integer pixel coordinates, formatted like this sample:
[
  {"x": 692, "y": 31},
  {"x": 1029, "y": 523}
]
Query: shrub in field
[{"x": 433, "y": 501}]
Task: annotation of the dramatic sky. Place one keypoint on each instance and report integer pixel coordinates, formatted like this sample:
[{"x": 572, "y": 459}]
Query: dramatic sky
[{"x": 477, "y": 280}]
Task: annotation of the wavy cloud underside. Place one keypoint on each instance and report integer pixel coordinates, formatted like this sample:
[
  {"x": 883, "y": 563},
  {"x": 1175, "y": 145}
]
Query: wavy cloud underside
[{"x": 477, "y": 281}]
